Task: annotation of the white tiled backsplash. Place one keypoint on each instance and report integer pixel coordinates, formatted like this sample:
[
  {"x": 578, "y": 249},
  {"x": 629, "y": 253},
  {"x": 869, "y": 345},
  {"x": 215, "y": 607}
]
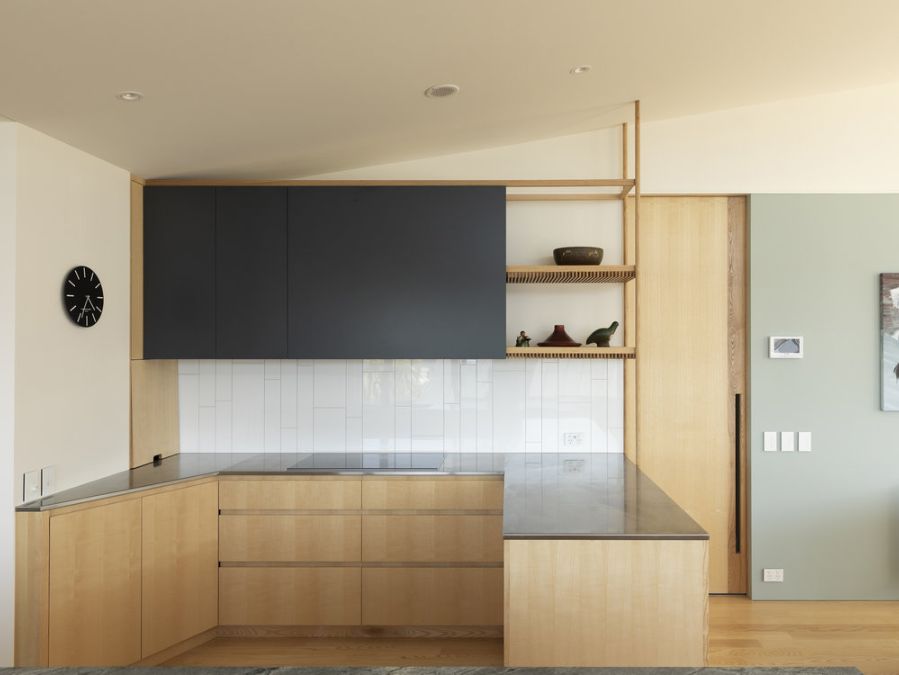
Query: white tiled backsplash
[{"x": 514, "y": 405}]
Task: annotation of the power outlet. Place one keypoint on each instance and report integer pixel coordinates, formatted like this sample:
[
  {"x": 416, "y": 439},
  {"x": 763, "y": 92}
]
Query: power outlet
[
  {"x": 48, "y": 480},
  {"x": 31, "y": 485},
  {"x": 773, "y": 575},
  {"x": 573, "y": 439}
]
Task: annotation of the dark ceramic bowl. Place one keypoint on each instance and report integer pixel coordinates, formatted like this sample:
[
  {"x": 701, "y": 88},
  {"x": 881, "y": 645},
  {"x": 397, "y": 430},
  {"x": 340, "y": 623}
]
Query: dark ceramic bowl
[{"x": 577, "y": 255}]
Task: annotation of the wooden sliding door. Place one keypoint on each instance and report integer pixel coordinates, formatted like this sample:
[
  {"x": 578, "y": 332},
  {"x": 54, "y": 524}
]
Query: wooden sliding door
[{"x": 691, "y": 387}]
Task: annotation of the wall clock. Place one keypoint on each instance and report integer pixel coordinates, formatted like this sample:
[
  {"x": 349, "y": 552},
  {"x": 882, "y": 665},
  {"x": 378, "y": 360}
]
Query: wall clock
[{"x": 82, "y": 294}]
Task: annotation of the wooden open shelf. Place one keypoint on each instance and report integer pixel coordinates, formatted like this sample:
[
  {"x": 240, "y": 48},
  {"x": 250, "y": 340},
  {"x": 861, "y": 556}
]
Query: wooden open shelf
[
  {"x": 569, "y": 274},
  {"x": 571, "y": 352}
]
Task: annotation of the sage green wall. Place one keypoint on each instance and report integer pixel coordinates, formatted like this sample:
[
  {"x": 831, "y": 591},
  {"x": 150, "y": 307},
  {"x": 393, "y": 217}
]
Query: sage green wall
[{"x": 829, "y": 518}]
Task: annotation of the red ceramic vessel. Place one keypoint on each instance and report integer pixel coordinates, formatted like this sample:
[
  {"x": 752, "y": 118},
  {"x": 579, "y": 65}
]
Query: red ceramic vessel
[{"x": 559, "y": 338}]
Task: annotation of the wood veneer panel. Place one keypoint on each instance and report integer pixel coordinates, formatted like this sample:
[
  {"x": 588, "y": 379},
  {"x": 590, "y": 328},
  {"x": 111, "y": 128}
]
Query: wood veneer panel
[
  {"x": 95, "y": 586},
  {"x": 307, "y": 596},
  {"x": 448, "y": 492},
  {"x": 290, "y": 538},
  {"x": 683, "y": 392},
  {"x": 606, "y": 603},
  {"x": 32, "y": 604},
  {"x": 436, "y": 538},
  {"x": 180, "y": 566},
  {"x": 432, "y": 596},
  {"x": 155, "y": 418},
  {"x": 291, "y": 493}
]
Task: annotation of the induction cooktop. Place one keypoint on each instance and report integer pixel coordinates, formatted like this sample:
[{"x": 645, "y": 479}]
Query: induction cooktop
[{"x": 370, "y": 461}]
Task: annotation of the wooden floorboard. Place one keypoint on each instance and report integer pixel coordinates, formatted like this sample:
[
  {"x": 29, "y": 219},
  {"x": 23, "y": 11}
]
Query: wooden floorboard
[{"x": 741, "y": 633}]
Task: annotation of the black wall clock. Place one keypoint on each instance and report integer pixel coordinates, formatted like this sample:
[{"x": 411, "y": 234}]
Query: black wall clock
[{"x": 82, "y": 294}]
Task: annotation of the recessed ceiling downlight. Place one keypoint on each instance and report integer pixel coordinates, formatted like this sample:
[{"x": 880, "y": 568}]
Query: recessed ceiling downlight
[
  {"x": 580, "y": 70},
  {"x": 129, "y": 96},
  {"x": 442, "y": 90}
]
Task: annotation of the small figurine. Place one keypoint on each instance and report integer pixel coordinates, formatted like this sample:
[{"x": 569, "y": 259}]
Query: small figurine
[
  {"x": 522, "y": 340},
  {"x": 601, "y": 336}
]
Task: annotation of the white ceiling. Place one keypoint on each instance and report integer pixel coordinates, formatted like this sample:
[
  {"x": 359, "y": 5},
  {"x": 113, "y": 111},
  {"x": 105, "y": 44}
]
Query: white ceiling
[{"x": 286, "y": 88}]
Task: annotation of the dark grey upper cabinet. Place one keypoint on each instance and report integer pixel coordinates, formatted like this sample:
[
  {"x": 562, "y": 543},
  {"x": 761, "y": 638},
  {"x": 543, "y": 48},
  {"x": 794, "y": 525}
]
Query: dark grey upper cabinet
[
  {"x": 179, "y": 272},
  {"x": 251, "y": 273},
  {"x": 396, "y": 272}
]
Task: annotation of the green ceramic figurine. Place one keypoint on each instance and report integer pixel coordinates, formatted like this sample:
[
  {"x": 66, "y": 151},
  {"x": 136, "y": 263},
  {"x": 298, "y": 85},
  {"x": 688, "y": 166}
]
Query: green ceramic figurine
[
  {"x": 522, "y": 340},
  {"x": 601, "y": 336}
]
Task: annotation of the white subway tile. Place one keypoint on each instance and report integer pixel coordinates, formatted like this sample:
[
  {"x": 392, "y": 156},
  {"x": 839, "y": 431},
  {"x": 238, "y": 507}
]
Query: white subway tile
[
  {"x": 485, "y": 370},
  {"x": 207, "y": 429},
  {"x": 288, "y": 440},
  {"x": 223, "y": 426},
  {"x": 272, "y": 369},
  {"x": 188, "y": 367},
  {"x": 377, "y": 366},
  {"x": 207, "y": 383},
  {"x": 616, "y": 393},
  {"x": 289, "y": 395},
  {"x": 354, "y": 388},
  {"x": 189, "y": 411},
  {"x": 403, "y": 428},
  {"x": 427, "y": 383},
  {"x": 305, "y": 407},
  {"x": 533, "y": 399},
  {"x": 248, "y": 406},
  {"x": 574, "y": 418},
  {"x": 330, "y": 430},
  {"x": 273, "y": 415},
  {"x": 452, "y": 381},
  {"x": 599, "y": 416},
  {"x": 330, "y": 384},
  {"x": 452, "y": 427},
  {"x": 599, "y": 369},
  {"x": 508, "y": 411},
  {"x": 485, "y": 417},
  {"x": 468, "y": 429},
  {"x": 354, "y": 434},
  {"x": 403, "y": 381},
  {"x": 549, "y": 405},
  {"x": 574, "y": 380},
  {"x": 223, "y": 380}
]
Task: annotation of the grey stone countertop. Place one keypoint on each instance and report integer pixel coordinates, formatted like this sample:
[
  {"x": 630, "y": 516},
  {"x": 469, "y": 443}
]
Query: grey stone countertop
[
  {"x": 458, "y": 670},
  {"x": 547, "y": 495}
]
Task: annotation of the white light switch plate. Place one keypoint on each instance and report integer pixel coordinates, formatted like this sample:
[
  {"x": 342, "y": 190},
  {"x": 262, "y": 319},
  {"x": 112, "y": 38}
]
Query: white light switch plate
[
  {"x": 805, "y": 441},
  {"x": 31, "y": 485},
  {"x": 773, "y": 575},
  {"x": 48, "y": 480},
  {"x": 770, "y": 444},
  {"x": 787, "y": 441}
]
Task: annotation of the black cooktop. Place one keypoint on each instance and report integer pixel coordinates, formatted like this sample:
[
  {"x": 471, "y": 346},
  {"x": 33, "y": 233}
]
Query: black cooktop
[{"x": 371, "y": 461}]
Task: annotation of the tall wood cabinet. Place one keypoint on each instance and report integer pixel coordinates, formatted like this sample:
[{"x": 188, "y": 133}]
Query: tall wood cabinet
[{"x": 691, "y": 376}]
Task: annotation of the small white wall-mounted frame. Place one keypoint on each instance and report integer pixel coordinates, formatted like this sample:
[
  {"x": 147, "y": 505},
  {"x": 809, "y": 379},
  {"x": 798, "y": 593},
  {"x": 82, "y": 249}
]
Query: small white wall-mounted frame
[{"x": 785, "y": 347}]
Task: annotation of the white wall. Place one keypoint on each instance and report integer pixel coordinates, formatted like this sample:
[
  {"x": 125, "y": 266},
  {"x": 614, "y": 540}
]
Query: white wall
[
  {"x": 64, "y": 391},
  {"x": 7, "y": 384},
  {"x": 843, "y": 142},
  {"x": 72, "y": 384}
]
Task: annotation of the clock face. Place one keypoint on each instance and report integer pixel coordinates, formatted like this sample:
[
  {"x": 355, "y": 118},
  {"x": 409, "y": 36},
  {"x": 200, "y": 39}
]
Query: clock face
[{"x": 83, "y": 296}]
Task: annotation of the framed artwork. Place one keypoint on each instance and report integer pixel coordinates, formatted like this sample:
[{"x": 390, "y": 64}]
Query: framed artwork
[
  {"x": 783, "y": 347},
  {"x": 889, "y": 340}
]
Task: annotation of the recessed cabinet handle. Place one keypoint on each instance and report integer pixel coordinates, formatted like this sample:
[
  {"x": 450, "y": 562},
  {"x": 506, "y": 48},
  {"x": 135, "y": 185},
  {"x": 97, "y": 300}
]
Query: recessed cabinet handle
[{"x": 738, "y": 488}]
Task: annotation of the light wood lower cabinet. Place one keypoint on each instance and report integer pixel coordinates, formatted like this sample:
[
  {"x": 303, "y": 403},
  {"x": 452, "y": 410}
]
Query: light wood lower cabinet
[
  {"x": 95, "y": 586},
  {"x": 290, "y": 538},
  {"x": 299, "y": 596},
  {"x": 180, "y": 566},
  {"x": 413, "y": 596},
  {"x": 446, "y": 493},
  {"x": 287, "y": 493},
  {"x": 432, "y": 538}
]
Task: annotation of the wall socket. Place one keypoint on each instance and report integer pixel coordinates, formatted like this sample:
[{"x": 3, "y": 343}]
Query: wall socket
[
  {"x": 773, "y": 575},
  {"x": 48, "y": 480},
  {"x": 573, "y": 439},
  {"x": 31, "y": 485}
]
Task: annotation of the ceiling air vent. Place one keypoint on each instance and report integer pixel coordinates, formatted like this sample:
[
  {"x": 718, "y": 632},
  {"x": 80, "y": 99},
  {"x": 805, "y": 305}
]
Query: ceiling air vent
[{"x": 441, "y": 90}]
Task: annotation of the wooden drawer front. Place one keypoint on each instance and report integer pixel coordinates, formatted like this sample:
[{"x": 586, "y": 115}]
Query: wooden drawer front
[
  {"x": 276, "y": 538},
  {"x": 445, "y": 493},
  {"x": 447, "y": 596},
  {"x": 285, "y": 596},
  {"x": 432, "y": 538},
  {"x": 300, "y": 493},
  {"x": 95, "y": 583}
]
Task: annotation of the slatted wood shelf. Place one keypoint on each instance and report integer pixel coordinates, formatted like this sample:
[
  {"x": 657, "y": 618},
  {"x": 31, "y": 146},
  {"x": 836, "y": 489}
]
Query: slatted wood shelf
[
  {"x": 569, "y": 274},
  {"x": 571, "y": 352}
]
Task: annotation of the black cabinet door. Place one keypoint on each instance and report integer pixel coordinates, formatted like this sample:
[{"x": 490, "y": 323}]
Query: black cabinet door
[
  {"x": 179, "y": 272},
  {"x": 251, "y": 272},
  {"x": 396, "y": 272}
]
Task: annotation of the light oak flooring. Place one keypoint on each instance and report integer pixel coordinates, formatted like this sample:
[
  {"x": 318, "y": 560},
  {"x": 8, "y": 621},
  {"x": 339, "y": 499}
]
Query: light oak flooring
[{"x": 741, "y": 632}]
